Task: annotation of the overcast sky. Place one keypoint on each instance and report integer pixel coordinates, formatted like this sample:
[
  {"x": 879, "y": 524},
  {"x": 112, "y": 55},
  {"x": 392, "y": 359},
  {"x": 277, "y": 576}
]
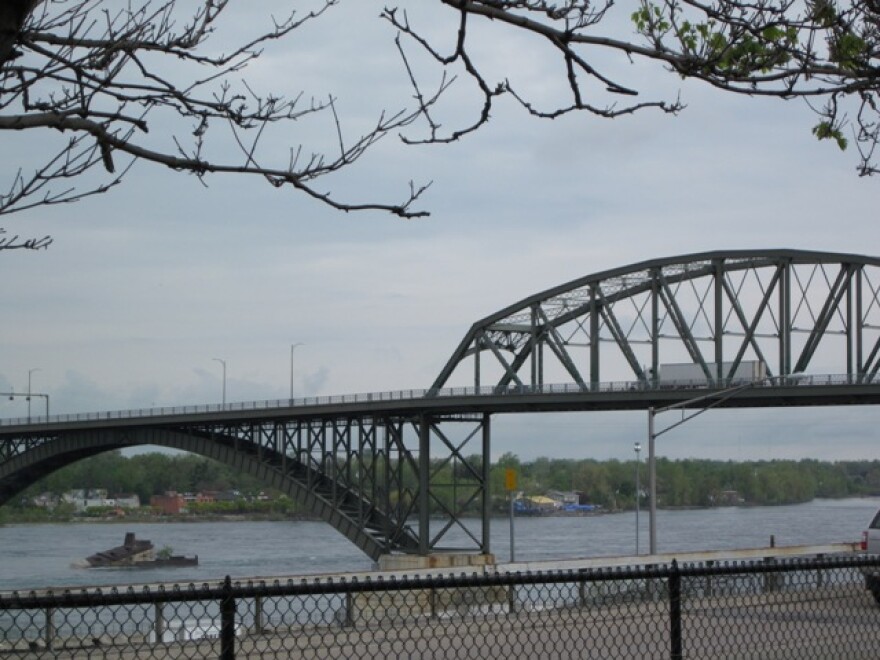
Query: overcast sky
[{"x": 145, "y": 286}]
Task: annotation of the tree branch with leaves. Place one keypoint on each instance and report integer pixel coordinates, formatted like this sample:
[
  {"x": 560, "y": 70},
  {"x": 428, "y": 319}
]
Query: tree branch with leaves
[
  {"x": 819, "y": 51},
  {"x": 105, "y": 76}
]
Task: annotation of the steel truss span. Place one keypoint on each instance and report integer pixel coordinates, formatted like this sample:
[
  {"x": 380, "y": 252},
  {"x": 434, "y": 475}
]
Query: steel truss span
[
  {"x": 408, "y": 472},
  {"x": 389, "y": 484},
  {"x": 792, "y": 312}
]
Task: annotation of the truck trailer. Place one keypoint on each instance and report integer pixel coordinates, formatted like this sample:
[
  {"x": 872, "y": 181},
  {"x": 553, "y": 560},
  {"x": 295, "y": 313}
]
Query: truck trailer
[{"x": 690, "y": 374}]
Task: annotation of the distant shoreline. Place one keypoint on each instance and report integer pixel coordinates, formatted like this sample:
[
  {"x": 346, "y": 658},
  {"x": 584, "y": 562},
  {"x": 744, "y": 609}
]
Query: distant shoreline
[
  {"x": 128, "y": 520},
  {"x": 268, "y": 517}
]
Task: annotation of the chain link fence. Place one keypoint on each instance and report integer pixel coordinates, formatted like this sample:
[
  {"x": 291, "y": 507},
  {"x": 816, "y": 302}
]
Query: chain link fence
[{"x": 808, "y": 608}]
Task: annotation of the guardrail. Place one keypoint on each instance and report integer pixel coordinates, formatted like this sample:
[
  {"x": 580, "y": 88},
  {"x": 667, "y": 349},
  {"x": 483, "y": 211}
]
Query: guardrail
[
  {"x": 416, "y": 394},
  {"x": 807, "y": 608}
]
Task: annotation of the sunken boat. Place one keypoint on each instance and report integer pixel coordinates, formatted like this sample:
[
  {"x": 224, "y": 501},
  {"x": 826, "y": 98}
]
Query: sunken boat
[{"x": 139, "y": 553}]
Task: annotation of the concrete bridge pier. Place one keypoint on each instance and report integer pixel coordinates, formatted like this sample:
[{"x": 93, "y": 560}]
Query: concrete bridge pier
[
  {"x": 370, "y": 607},
  {"x": 436, "y": 561}
]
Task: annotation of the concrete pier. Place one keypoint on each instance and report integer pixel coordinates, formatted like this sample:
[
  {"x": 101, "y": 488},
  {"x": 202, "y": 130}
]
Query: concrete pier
[{"x": 435, "y": 562}]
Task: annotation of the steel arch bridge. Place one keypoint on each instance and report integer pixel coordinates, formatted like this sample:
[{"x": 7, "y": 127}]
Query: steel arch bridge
[
  {"x": 789, "y": 309},
  {"x": 408, "y": 472}
]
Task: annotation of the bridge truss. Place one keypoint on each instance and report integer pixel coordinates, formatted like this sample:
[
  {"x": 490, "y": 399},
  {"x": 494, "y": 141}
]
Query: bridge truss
[
  {"x": 409, "y": 473},
  {"x": 795, "y": 311},
  {"x": 390, "y": 484}
]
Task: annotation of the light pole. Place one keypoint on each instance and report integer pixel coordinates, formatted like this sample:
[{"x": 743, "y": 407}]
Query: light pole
[
  {"x": 292, "y": 347},
  {"x": 12, "y": 396},
  {"x": 717, "y": 398},
  {"x": 30, "y": 371},
  {"x": 223, "y": 362},
  {"x": 638, "y": 448}
]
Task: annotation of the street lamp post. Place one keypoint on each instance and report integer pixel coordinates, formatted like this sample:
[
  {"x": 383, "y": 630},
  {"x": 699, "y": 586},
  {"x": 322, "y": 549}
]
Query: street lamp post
[
  {"x": 12, "y": 396},
  {"x": 292, "y": 347},
  {"x": 223, "y": 362},
  {"x": 716, "y": 399},
  {"x": 30, "y": 371},
  {"x": 638, "y": 448}
]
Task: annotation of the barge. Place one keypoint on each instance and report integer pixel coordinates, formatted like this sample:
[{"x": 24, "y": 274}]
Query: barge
[{"x": 138, "y": 553}]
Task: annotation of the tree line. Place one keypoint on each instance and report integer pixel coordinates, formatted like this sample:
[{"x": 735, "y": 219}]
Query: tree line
[
  {"x": 144, "y": 475},
  {"x": 696, "y": 482},
  {"x": 610, "y": 484}
]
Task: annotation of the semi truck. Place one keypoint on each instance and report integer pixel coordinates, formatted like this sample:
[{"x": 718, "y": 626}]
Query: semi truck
[{"x": 690, "y": 374}]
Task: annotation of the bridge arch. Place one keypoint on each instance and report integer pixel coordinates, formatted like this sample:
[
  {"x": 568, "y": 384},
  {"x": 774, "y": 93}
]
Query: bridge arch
[
  {"x": 795, "y": 311},
  {"x": 371, "y": 465},
  {"x": 321, "y": 495}
]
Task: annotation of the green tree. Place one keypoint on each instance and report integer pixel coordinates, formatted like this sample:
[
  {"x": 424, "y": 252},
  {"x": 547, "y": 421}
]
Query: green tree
[
  {"x": 820, "y": 51},
  {"x": 610, "y": 484},
  {"x": 592, "y": 479}
]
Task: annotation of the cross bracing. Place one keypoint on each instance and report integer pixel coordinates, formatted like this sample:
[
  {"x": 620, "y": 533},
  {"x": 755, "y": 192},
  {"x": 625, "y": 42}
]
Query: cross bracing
[
  {"x": 408, "y": 471},
  {"x": 389, "y": 484},
  {"x": 796, "y": 312}
]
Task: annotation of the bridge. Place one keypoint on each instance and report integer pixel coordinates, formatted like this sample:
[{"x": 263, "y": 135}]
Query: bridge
[{"x": 407, "y": 472}]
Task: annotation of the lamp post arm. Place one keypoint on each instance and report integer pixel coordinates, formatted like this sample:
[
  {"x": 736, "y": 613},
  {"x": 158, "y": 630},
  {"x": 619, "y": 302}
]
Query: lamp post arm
[
  {"x": 15, "y": 395},
  {"x": 684, "y": 419},
  {"x": 722, "y": 396},
  {"x": 718, "y": 398}
]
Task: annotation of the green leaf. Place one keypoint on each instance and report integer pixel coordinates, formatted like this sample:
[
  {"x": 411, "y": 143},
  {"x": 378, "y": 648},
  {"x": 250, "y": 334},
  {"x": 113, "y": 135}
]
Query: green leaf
[
  {"x": 827, "y": 131},
  {"x": 849, "y": 50}
]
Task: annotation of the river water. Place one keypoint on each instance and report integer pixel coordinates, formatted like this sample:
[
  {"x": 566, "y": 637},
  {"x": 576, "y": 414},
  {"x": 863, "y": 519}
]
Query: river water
[{"x": 38, "y": 556}]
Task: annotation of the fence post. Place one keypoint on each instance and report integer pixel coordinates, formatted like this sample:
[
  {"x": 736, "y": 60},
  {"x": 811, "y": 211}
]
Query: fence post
[
  {"x": 675, "y": 611},
  {"x": 258, "y": 615},
  {"x": 349, "y": 609},
  {"x": 709, "y": 591},
  {"x": 771, "y": 579},
  {"x": 50, "y": 627},
  {"x": 227, "y": 621},
  {"x": 159, "y": 625}
]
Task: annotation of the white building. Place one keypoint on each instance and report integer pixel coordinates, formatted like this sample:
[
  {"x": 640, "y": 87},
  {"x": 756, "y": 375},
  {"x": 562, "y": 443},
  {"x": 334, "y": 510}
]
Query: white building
[{"x": 87, "y": 498}]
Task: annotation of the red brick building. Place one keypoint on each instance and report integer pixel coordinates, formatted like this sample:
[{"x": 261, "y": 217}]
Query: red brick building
[{"x": 171, "y": 503}]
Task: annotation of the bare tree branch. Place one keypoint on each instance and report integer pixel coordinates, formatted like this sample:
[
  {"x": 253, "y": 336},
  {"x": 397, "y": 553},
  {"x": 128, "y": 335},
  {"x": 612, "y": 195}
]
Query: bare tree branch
[
  {"x": 17, "y": 243},
  {"x": 817, "y": 50},
  {"x": 104, "y": 73}
]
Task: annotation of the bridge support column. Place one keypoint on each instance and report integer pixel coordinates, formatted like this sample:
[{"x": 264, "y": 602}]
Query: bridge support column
[
  {"x": 424, "y": 485},
  {"x": 487, "y": 494},
  {"x": 450, "y": 459},
  {"x": 431, "y": 602}
]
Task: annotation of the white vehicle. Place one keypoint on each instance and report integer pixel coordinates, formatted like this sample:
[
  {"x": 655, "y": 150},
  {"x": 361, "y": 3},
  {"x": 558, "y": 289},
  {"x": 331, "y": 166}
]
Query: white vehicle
[
  {"x": 871, "y": 545},
  {"x": 688, "y": 374}
]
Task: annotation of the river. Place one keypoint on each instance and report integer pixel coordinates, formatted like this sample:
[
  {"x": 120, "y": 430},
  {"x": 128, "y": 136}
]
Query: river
[{"x": 40, "y": 555}]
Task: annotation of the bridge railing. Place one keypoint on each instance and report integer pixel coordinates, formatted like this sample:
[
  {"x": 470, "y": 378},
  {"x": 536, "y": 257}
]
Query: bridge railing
[{"x": 416, "y": 394}]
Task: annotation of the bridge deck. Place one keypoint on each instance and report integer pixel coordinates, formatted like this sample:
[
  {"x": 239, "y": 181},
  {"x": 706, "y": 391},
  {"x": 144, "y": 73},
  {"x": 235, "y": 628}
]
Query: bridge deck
[{"x": 805, "y": 391}]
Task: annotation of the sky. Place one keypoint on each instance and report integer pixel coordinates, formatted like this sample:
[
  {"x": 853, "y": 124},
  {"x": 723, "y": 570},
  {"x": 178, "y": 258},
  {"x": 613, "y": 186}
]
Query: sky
[{"x": 146, "y": 288}]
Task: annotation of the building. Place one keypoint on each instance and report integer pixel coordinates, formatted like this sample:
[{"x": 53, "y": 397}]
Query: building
[
  {"x": 87, "y": 498},
  {"x": 564, "y": 496},
  {"x": 171, "y": 503},
  {"x": 127, "y": 501}
]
